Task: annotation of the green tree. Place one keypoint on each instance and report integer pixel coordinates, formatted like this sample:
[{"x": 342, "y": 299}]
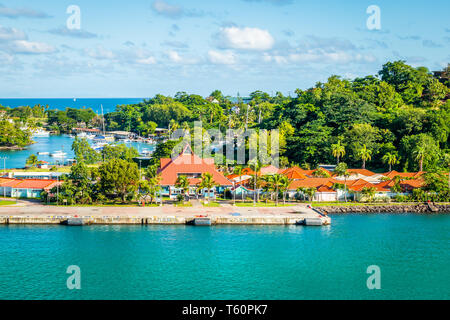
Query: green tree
[
  {"x": 364, "y": 154},
  {"x": 391, "y": 159},
  {"x": 338, "y": 150},
  {"x": 119, "y": 178},
  {"x": 84, "y": 152},
  {"x": 207, "y": 182},
  {"x": 32, "y": 161},
  {"x": 183, "y": 184},
  {"x": 342, "y": 171}
]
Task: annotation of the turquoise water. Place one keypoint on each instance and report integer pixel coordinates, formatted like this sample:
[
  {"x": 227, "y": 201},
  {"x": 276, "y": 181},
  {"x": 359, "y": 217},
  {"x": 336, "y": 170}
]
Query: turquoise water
[
  {"x": 109, "y": 104},
  {"x": 239, "y": 262},
  {"x": 17, "y": 159}
]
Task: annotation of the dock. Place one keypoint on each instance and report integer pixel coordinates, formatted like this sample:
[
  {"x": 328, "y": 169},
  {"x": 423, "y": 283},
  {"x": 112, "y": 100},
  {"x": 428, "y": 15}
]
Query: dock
[{"x": 84, "y": 216}]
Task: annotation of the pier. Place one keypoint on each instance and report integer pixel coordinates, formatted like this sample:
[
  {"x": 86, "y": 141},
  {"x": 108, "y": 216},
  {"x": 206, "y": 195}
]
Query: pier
[{"x": 299, "y": 215}]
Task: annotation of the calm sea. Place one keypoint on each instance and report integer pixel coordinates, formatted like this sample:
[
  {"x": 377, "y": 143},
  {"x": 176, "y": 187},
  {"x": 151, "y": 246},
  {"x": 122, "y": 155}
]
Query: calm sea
[
  {"x": 17, "y": 159},
  {"x": 239, "y": 262},
  {"x": 109, "y": 104}
]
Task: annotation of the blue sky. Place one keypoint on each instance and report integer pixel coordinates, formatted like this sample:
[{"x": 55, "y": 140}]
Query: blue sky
[{"x": 138, "y": 48}]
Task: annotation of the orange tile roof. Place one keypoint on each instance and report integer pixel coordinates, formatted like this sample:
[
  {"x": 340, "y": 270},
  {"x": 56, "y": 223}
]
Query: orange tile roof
[
  {"x": 363, "y": 172},
  {"x": 28, "y": 183},
  {"x": 312, "y": 183},
  {"x": 189, "y": 163},
  {"x": 294, "y": 173},
  {"x": 270, "y": 170},
  {"x": 36, "y": 184},
  {"x": 393, "y": 174}
]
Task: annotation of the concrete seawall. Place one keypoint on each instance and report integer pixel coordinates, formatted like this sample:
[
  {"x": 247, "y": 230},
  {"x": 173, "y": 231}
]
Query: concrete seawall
[
  {"x": 156, "y": 216},
  {"x": 216, "y": 220},
  {"x": 423, "y": 208}
]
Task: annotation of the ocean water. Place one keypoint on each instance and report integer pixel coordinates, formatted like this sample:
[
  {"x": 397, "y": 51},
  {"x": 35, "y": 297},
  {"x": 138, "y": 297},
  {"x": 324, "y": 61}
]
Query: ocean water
[
  {"x": 109, "y": 104},
  {"x": 231, "y": 262},
  {"x": 17, "y": 158}
]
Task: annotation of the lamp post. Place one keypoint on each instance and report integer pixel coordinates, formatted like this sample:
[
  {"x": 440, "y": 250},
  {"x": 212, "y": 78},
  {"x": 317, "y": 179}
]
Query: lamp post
[{"x": 234, "y": 193}]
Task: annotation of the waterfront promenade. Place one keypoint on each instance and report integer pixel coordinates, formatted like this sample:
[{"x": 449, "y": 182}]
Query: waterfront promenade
[{"x": 35, "y": 213}]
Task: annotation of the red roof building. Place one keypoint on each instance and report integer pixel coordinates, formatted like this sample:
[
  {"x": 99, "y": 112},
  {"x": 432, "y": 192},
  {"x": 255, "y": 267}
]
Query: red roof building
[{"x": 190, "y": 165}]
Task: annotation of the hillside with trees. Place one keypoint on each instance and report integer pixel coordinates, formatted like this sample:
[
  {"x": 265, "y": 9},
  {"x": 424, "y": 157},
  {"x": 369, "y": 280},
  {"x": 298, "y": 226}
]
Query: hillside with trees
[{"x": 398, "y": 119}]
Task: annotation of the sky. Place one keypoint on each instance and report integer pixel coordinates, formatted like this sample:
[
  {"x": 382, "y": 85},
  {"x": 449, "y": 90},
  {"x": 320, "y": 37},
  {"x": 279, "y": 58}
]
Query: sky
[{"x": 139, "y": 48}]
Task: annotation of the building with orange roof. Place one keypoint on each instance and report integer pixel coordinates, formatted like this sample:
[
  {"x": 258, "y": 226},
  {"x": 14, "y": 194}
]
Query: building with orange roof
[
  {"x": 393, "y": 174},
  {"x": 25, "y": 188},
  {"x": 192, "y": 166},
  {"x": 294, "y": 173}
]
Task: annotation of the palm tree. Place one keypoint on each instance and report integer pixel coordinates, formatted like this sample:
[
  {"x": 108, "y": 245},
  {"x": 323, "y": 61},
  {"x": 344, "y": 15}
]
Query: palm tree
[
  {"x": 369, "y": 192},
  {"x": 255, "y": 165},
  {"x": 419, "y": 154},
  {"x": 268, "y": 186},
  {"x": 391, "y": 159},
  {"x": 277, "y": 182},
  {"x": 285, "y": 183},
  {"x": 32, "y": 161},
  {"x": 238, "y": 171},
  {"x": 338, "y": 150},
  {"x": 342, "y": 171},
  {"x": 310, "y": 192},
  {"x": 183, "y": 184},
  {"x": 207, "y": 182},
  {"x": 365, "y": 154}
]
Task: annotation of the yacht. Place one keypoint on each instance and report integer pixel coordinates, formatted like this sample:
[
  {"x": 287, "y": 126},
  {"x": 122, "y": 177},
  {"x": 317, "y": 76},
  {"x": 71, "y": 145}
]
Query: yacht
[
  {"x": 58, "y": 154},
  {"x": 40, "y": 133}
]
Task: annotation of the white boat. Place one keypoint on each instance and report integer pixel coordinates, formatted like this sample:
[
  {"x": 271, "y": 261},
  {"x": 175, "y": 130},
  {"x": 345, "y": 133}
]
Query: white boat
[
  {"x": 84, "y": 135},
  {"x": 146, "y": 153},
  {"x": 58, "y": 154},
  {"x": 41, "y": 133},
  {"x": 43, "y": 153},
  {"x": 99, "y": 146}
]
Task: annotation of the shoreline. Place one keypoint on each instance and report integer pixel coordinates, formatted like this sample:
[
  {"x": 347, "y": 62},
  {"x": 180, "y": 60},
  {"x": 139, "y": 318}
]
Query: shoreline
[
  {"x": 157, "y": 215},
  {"x": 420, "y": 208}
]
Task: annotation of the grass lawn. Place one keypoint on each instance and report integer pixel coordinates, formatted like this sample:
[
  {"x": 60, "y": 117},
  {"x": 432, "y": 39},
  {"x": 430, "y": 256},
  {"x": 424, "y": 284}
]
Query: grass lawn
[
  {"x": 211, "y": 204},
  {"x": 181, "y": 205},
  {"x": 263, "y": 204},
  {"x": 7, "y": 203}
]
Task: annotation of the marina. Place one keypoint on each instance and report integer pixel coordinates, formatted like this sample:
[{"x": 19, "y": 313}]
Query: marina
[{"x": 56, "y": 149}]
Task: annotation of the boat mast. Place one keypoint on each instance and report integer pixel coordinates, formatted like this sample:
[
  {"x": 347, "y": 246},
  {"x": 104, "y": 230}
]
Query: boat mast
[{"x": 103, "y": 121}]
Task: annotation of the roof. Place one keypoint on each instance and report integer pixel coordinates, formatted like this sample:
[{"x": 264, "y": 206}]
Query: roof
[
  {"x": 188, "y": 162},
  {"x": 294, "y": 173},
  {"x": 363, "y": 172},
  {"x": 393, "y": 174},
  {"x": 312, "y": 183},
  {"x": 270, "y": 170},
  {"x": 28, "y": 183}
]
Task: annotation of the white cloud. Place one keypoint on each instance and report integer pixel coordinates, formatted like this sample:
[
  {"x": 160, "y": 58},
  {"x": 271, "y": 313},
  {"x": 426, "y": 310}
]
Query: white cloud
[
  {"x": 147, "y": 61},
  {"x": 100, "y": 53},
  {"x": 174, "y": 56},
  {"x": 28, "y": 47},
  {"x": 173, "y": 11},
  {"x": 246, "y": 38},
  {"x": 167, "y": 9},
  {"x": 22, "y": 12},
  {"x": 8, "y": 34},
  {"x": 320, "y": 56},
  {"x": 227, "y": 57}
]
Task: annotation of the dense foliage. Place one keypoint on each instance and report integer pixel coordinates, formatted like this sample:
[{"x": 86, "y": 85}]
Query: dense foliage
[{"x": 398, "y": 119}]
